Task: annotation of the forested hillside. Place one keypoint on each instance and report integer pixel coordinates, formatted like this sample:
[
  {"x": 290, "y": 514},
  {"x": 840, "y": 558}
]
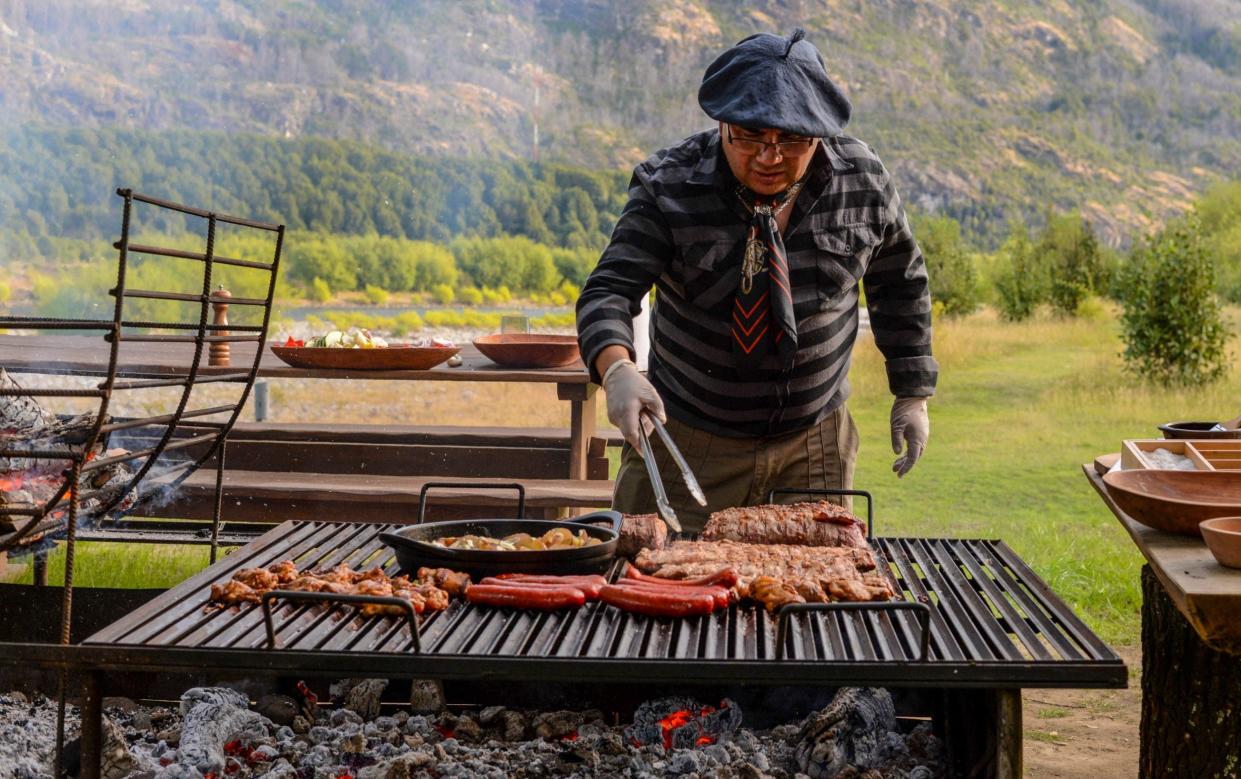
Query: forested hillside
[
  {"x": 61, "y": 182},
  {"x": 986, "y": 110}
]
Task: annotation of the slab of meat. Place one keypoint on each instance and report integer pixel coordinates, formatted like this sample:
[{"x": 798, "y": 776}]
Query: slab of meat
[
  {"x": 641, "y": 531},
  {"x": 775, "y": 573},
  {"x": 810, "y": 524},
  {"x": 725, "y": 554}
]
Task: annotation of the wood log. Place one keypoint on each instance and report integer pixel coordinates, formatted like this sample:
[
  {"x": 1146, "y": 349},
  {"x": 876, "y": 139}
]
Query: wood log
[{"x": 1191, "y": 695}]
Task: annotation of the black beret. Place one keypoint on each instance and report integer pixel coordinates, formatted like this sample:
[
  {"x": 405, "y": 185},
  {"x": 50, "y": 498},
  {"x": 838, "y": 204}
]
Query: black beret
[{"x": 770, "y": 81}]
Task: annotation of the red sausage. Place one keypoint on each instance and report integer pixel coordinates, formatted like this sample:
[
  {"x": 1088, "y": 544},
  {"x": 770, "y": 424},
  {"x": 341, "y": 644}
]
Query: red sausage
[
  {"x": 656, "y": 603},
  {"x": 721, "y": 595},
  {"x": 588, "y": 586},
  {"x": 518, "y": 597},
  {"x": 726, "y": 577},
  {"x": 552, "y": 578}
]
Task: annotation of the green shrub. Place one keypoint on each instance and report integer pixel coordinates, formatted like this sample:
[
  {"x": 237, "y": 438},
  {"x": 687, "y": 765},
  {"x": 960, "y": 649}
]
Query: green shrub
[
  {"x": 319, "y": 290},
  {"x": 1078, "y": 265},
  {"x": 575, "y": 264},
  {"x": 1172, "y": 326},
  {"x": 953, "y": 279},
  {"x": 407, "y": 322},
  {"x": 377, "y": 295},
  {"x": 471, "y": 296},
  {"x": 512, "y": 261},
  {"x": 1022, "y": 281},
  {"x": 322, "y": 257},
  {"x": 557, "y": 298},
  {"x": 443, "y": 294},
  {"x": 497, "y": 296},
  {"x": 445, "y": 318},
  {"x": 6, "y": 291},
  {"x": 1092, "y": 309}
]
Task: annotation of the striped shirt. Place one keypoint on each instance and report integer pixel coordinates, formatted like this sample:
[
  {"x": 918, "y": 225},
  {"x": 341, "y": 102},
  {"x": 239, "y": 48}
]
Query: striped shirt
[{"x": 684, "y": 230}]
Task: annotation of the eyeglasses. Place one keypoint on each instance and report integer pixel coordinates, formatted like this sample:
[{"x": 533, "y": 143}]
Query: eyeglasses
[{"x": 783, "y": 148}]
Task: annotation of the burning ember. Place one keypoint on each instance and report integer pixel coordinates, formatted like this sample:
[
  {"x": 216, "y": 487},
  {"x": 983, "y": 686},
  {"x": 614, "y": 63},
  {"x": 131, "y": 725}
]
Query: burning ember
[{"x": 683, "y": 723}]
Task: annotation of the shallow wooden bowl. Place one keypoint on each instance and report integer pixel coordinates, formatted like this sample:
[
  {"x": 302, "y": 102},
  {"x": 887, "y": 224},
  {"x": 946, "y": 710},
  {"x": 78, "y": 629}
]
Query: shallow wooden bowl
[
  {"x": 529, "y": 350},
  {"x": 1199, "y": 430},
  {"x": 396, "y": 357},
  {"x": 1175, "y": 501},
  {"x": 1223, "y": 537}
]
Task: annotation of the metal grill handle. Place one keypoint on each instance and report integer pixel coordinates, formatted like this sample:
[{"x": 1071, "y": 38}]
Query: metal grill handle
[
  {"x": 870, "y": 502},
  {"x": 422, "y": 494},
  {"x": 923, "y": 611},
  {"x": 319, "y": 597}
]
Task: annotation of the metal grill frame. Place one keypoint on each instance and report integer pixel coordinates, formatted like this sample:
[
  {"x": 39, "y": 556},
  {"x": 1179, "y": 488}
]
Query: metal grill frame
[
  {"x": 992, "y": 622},
  {"x": 118, "y": 330}
]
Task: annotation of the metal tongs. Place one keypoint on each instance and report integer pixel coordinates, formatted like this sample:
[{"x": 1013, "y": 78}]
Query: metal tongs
[{"x": 652, "y": 470}]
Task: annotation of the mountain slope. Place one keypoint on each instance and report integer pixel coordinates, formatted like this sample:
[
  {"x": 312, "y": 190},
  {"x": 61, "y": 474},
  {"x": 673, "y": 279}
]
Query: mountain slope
[{"x": 985, "y": 109}]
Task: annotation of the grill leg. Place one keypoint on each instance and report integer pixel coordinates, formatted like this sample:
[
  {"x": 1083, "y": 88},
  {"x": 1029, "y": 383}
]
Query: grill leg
[
  {"x": 982, "y": 731},
  {"x": 1008, "y": 743},
  {"x": 92, "y": 724},
  {"x": 40, "y": 569}
]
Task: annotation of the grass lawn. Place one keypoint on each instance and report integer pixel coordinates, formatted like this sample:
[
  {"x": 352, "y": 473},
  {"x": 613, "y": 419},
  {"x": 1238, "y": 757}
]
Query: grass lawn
[{"x": 1019, "y": 408}]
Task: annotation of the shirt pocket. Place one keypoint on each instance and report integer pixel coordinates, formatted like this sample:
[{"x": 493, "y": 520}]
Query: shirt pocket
[
  {"x": 841, "y": 260},
  {"x": 707, "y": 272}
]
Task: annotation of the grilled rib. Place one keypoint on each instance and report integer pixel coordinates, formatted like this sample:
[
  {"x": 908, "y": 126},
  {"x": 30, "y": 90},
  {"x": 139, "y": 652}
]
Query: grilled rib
[{"x": 808, "y": 524}]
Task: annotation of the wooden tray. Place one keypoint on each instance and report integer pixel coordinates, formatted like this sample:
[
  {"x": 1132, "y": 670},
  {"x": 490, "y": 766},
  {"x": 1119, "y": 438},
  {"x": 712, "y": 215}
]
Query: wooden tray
[
  {"x": 396, "y": 357},
  {"x": 1206, "y": 455}
]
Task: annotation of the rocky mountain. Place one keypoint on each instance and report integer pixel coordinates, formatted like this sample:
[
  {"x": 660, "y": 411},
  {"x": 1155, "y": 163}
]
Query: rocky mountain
[{"x": 987, "y": 110}]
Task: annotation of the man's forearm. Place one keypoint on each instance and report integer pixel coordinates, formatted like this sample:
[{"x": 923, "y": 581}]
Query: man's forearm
[{"x": 608, "y": 355}]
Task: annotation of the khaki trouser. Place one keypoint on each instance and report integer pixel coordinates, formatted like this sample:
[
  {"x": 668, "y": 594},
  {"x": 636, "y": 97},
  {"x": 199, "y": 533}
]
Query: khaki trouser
[{"x": 741, "y": 471}]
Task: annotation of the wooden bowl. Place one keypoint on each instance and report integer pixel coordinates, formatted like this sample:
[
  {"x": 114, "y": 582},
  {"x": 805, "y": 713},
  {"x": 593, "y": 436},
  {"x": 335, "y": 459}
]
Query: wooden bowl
[
  {"x": 396, "y": 357},
  {"x": 1223, "y": 537},
  {"x": 529, "y": 350},
  {"x": 1199, "y": 430},
  {"x": 1175, "y": 501}
]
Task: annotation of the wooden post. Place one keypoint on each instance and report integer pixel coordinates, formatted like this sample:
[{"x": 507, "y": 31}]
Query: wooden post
[
  {"x": 583, "y": 408},
  {"x": 1191, "y": 695}
]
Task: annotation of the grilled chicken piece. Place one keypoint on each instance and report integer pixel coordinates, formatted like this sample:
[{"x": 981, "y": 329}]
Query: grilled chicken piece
[
  {"x": 341, "y": 574},
  {"x": 257, "y": 578},
  {"x": 374, "y": 574},
  {"x": 811, "y": 590},
  {"x": 375, "y": 587},
  {"x": 773, "y": 593},
  {"x": 452, "y": 582},
  {"x": 434, "y": 598},
  {"x": 285, "y": 571},
  {"x": 233, "y": 592}
]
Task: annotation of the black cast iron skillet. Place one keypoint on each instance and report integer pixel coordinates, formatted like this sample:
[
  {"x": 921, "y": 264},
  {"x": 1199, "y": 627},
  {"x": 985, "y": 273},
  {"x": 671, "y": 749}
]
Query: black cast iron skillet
[{"x": 414, "y": 548}]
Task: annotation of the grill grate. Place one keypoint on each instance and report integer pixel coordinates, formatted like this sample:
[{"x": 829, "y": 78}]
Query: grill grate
[{"x": 991, "y": 618}]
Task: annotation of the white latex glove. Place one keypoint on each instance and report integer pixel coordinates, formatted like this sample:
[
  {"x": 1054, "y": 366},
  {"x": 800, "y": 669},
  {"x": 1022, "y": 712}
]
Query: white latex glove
[
  {"x": 912, "y": 427},
  {"x": 628, "y": 393}
]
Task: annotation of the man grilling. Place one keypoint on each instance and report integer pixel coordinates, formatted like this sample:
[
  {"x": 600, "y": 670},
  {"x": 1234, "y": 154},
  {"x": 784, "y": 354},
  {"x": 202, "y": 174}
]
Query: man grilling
[{"x": 756, "y": 236}]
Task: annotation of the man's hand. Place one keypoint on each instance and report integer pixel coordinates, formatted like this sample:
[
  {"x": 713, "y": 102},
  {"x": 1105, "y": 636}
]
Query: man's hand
[
  {"x": 628, "y": 393},
  {"x": 911, "y": 426}
]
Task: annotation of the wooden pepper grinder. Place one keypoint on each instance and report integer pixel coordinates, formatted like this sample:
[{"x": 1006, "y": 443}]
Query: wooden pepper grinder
[{"x": 218, "y": 351}]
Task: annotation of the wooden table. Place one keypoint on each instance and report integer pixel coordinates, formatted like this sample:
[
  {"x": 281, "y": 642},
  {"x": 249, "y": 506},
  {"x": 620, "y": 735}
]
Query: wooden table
[
  {"x": 1191, "y": 653},
  {"x": 88, "y": 355}
]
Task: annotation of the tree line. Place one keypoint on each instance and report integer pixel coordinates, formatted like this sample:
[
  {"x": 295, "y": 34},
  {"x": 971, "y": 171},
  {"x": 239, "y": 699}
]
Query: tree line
[{"x": 59, "y": 182}]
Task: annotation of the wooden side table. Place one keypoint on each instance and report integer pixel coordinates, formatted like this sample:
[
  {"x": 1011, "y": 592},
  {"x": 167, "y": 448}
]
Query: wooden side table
[{"x": 1191, "y": 654}]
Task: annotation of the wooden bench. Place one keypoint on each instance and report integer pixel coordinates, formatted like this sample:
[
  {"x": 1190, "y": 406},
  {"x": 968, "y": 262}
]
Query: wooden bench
[
  {"x": 262, "y": 496},
  {"x": 369, "y": 473}
]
